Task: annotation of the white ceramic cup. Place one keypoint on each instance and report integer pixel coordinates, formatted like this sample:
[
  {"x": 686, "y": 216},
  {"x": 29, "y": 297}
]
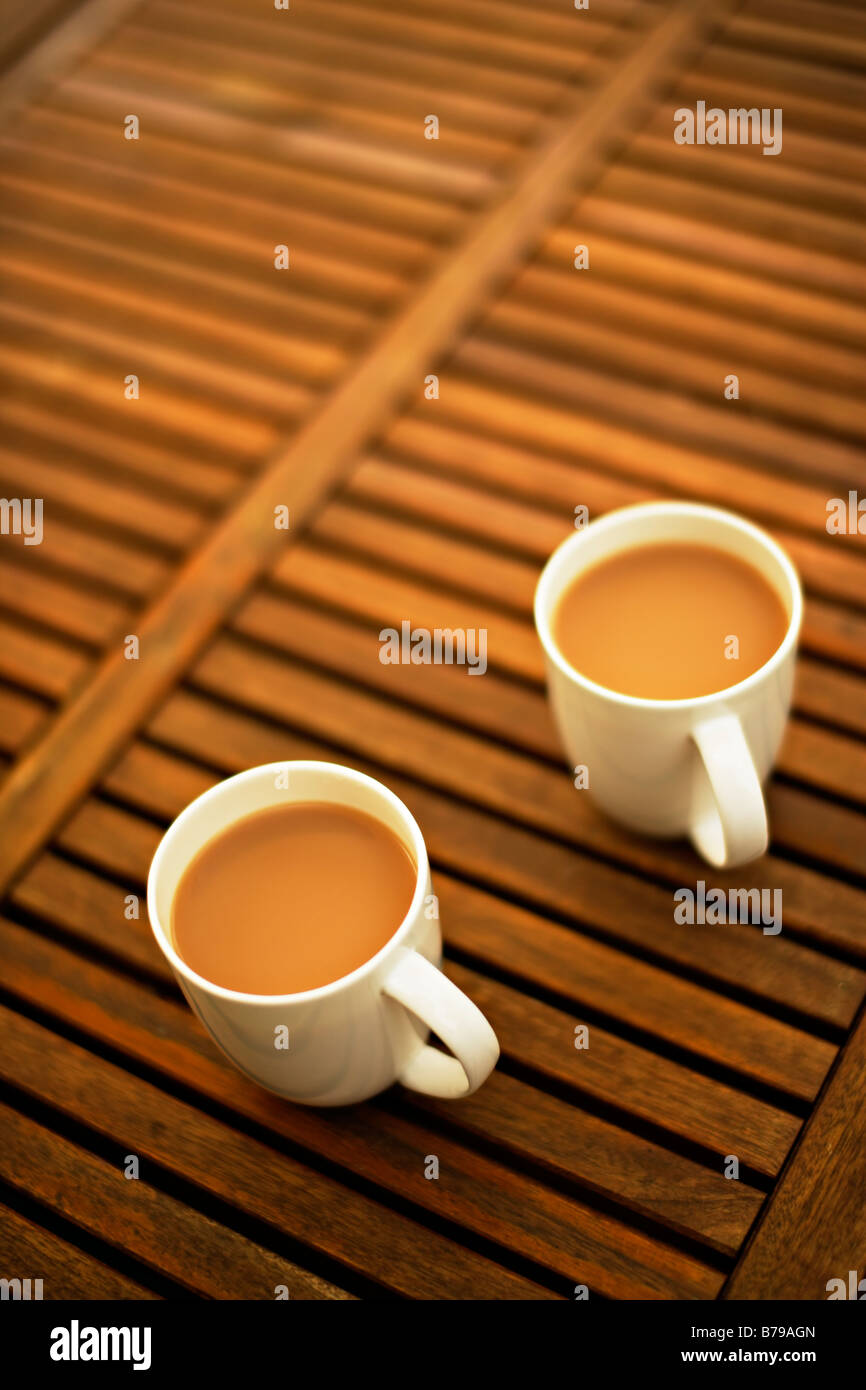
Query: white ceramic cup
[
  {"x": 353, "y": 1038},
  {"x": 674, "y": 767}
]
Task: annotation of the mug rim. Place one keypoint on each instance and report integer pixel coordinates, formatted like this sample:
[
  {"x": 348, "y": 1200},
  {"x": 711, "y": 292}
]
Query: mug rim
[
  {"x": 341, "y": 773},
  {"x": 544, "y": 605}
]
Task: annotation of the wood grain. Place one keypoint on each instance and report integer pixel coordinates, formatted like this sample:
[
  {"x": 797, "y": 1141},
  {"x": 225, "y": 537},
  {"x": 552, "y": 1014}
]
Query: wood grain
[
  {"x": 28, "y": 1251},
  {"x": 137, "y": 1218},
  {"x": 560, "y": 1233},
  {"x": 267, "y": 1184},
  {"x": 814, "y": 1229}
]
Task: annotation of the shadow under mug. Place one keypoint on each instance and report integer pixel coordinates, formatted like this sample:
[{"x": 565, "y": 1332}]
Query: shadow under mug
[
  {"x": 353, "y": 1038},
  {"x": 674, "y": 767}
]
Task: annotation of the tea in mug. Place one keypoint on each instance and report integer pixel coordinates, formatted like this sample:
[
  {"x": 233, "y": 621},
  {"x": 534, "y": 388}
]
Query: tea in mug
[
  {"x": 291, "y": 898},
  {"x": 669, "y": 621}
]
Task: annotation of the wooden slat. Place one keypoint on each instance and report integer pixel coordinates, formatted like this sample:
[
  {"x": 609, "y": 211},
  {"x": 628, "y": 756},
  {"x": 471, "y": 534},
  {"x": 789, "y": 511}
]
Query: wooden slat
[
  {"x": 85, "y": 617},
  {"x": 648, "y": 460},
  {"x": 88, "y": 555},
  {"x": 539, "y": 337},
  {"x": 803, "y": 181},
  {"x": 252, "y": 381},
  {"x": 173, "y": 67},
  {"x": 28, "y": 1251},
  {"x": 94, "y": 379},
  {"x": 412, "y": 488},
  {"x": 20, "y": 717},
  {"x": 38, "y": 662},
  {"x": 630, "y": 254},
  {"x": 491, "y": 96},
  {"x": 641, "y": 1085},
  {"x": 271, "y": 1186},
  {"x": 179, "y": 479},
  {"x": 71, "y": 131},
  {"x": 340, "y": 153},
  {"x": 45, "y": 785},
  {"x": 431, "y": 34},
  {"x": 91, "y": 211},
  {"x": 812, "y": 42},
  {"x": 575, "y": 1145},
  {"x": 637, "y": 449},
  {"x": 670, "y": 192},
  {"x": 90, "y": 157},
  {"x": 560, "y": 1233},
  {"x": 741, "y": 250},
  {"x": 138, "y": 1219},
  {"x": 164, "y": 371},
  {"x": 304, "y": 357},
  {"x": 783, "y": 73},
  {"x": 700, "y": 1209}
]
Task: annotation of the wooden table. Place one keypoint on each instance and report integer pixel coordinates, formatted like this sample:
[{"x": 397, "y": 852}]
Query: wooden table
[{"x": 309, "y": 388}]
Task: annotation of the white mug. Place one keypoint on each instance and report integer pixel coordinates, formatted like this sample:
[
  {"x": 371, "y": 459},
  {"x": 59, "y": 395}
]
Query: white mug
[
  {"x": 673, "y": 767},
  {"x": 353, "y": 1038}
]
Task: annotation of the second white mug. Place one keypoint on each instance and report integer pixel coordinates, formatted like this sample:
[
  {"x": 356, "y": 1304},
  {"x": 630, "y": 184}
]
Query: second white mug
[{"x": 674, "y": 767}]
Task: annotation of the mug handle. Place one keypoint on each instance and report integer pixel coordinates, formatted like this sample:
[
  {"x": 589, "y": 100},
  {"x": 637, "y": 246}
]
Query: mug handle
[
  {"x": 436, "y": 1001},
  {"x": 729, "y": 816}
]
